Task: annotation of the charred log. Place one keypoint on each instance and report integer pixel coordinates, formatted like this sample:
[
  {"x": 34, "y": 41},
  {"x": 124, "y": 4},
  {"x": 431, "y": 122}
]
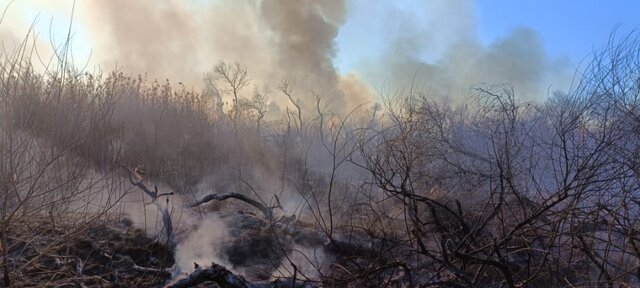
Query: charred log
[{"x": 226, "y": 279}]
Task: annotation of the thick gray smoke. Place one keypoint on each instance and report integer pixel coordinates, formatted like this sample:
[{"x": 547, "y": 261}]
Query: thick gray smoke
[
  {"x": 445, "y": 57},
  {"x": 142, "y": 37},
  {"x": 303, "y": 35},
  {"x": 517, "y": 60},
  {"x": 181, "y": 41}
]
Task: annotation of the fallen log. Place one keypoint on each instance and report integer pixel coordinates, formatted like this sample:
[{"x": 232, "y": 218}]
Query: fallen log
[{"x": 226, "y": 279}]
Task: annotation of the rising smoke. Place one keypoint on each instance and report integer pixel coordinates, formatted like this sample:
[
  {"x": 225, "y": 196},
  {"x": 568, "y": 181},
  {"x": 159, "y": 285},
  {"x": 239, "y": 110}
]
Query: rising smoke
[
  {"x": 444, "y": 56},
  {"x": 182, "y": 40},
  {"x": 296, "y": 40}
]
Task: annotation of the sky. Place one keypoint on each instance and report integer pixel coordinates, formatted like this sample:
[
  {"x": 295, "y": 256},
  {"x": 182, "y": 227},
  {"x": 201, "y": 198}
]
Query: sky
[
  {"x": 348, "y": 48},
  {"x": 568, "y": 28}
]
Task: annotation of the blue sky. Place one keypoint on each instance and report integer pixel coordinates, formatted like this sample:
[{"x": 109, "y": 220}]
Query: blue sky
[
  {"x": 567, "y": 28},
  {"x": 571, "y": 29}
]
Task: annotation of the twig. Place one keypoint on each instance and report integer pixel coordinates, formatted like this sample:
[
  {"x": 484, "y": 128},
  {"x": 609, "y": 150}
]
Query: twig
[{"x": 164, "y": 272}]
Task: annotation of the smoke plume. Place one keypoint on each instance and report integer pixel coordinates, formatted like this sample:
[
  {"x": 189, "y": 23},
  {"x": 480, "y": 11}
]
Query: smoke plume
[
  {"x": 444, "y": 56},
  {"x": 181, "y": 41},
  {"x": 296, "y": 40}
]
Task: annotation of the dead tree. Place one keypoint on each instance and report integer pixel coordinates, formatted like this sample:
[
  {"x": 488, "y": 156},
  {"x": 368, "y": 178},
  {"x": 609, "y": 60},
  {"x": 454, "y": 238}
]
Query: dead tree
[{"x": 136, "y": 180}]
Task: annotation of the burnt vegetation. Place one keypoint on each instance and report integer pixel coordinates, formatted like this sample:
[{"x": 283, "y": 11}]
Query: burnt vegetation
[{"x": 412, "y": 193}]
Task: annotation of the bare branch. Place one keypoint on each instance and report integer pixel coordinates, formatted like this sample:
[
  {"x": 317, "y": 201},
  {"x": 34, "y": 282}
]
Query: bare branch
[
  {"x": 221, "y": 197},
  {"x": 164, "y": 272},
  {"x": 166, "y": 215},
  {"x": 138, "y": 183}
]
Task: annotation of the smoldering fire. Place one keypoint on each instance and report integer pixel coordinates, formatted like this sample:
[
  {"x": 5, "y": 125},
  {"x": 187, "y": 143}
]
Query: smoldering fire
[{"x": 284, "y": 169}]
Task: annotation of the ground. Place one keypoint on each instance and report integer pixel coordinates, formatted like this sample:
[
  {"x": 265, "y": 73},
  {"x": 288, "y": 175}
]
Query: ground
[{"x": 98, "y": 255}]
